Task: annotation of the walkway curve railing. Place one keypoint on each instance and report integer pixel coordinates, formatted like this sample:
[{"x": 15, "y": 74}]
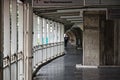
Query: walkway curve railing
[{"x": 43, "y": 54}]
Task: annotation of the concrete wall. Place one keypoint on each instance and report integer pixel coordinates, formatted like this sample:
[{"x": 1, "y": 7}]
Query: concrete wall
[
  {"x": 91, "y": 39},
  {"x": 110, "y": 43}
]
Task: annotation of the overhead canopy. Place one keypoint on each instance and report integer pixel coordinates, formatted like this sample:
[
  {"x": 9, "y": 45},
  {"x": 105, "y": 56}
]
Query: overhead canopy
[{"x": 70, "y": 12}]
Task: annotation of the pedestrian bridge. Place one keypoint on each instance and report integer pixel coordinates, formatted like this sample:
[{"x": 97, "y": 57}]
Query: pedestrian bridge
[{"x": 32, "y": 35}]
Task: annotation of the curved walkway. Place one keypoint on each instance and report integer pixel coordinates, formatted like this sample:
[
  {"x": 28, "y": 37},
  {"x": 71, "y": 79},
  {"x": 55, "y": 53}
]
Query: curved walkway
[{"x": 64, "y": 68}]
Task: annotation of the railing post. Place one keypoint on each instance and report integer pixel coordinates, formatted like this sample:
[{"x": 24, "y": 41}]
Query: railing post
[{"x": 28, "y": 18}]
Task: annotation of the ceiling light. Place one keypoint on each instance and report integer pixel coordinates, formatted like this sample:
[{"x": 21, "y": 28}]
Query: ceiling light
[{"x": 75, "y": 19}]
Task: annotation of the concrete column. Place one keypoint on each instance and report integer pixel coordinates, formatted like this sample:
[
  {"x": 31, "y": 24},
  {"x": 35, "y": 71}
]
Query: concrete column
[
  {"x": 1, "y": 40},
  {"x": 91, "y": 50},
  {"x": 119, "y": 42},
  {"x": 28, "y": 41}
]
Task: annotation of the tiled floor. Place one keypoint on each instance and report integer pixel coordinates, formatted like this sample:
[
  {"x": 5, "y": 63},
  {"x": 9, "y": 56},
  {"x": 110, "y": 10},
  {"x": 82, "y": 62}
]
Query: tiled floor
[{"x": 64, "y": 68}]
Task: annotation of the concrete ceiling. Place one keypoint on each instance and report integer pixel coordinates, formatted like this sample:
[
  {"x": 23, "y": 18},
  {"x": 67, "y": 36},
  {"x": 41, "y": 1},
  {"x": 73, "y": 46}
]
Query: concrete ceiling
[
  {"x": 57, "y": 15},
  {"x": 69, "y": 15}
]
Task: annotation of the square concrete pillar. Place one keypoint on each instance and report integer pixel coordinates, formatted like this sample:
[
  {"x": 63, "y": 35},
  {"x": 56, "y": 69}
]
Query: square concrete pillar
[{"x": 91, "y": 38}]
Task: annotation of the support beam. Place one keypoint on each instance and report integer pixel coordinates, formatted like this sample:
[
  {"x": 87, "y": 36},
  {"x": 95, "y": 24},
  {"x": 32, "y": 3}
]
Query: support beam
[
  {"x": 28, "y": 41},
  {"x": 1, "y": 41}
]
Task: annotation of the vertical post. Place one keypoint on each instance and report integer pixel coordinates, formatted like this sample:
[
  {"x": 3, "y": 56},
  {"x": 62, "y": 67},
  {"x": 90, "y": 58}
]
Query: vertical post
[
  {"x": 48, "y": 36},
  {"x": 56, "y": 36},
  {"x": 54, "y": 33},
  {"x": 41, "y": 25},
  {"x": 51, "y": 38},
  {"x": 6, "y": 24},
  {"x": 62, "y": 38},
  {"x": 41, "y": 35},
  {"x": 45, "y": 32},
  {"x": 34, "y": 26},
  {"x": 28, "y": 41},
  {"x": 1, "y": 41},
  {"x": 52, "y": 29},
  {"x": 13, "y": 27},
  {"x": 13, "y": 42},
  {"x": 45, "y": 38},
  {"x": 20, "y": 39}
]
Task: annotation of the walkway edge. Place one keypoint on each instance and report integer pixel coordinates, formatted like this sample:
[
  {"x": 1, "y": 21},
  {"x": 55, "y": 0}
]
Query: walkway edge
[
  {"x": 85, "y": 66},
  {"x": 43, "y": 64}
]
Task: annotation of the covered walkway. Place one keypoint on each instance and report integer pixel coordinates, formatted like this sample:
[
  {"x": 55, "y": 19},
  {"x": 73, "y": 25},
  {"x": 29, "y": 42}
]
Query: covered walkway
[
  {"x": 64, "y": 68},
  {"x": 32, "y": 34}
]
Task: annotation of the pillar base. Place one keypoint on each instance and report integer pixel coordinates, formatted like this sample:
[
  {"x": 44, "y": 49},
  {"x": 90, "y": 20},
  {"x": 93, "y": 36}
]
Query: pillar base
[{"x": 79, "y": 66}]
